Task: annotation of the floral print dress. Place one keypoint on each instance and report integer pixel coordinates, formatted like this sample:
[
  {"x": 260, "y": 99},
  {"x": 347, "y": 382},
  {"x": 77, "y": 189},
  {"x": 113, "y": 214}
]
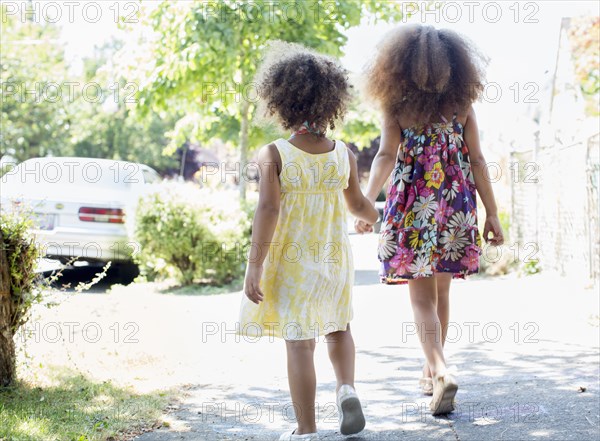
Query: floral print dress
[{"x": 430, "y": 218}]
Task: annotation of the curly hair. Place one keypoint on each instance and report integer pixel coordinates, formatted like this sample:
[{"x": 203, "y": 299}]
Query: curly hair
[
  {"x": 419, "y": 70},
  {"x": 296, "y": 85}
]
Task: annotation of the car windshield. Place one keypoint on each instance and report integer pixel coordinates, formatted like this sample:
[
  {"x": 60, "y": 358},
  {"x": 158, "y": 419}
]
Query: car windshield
[{"x": 105, "y": 174}]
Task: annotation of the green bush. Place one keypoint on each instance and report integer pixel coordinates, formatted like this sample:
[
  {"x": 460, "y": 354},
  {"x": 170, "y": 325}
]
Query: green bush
[
  {"x": 21, "y": 254},
  {"x": 19, "y": 289},
  {"x": 194, "y": 235},
  {"x": 531, "y": 267}
]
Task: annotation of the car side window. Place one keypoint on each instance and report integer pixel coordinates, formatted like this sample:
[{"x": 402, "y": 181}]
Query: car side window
[{"x": 150, "y": 176}]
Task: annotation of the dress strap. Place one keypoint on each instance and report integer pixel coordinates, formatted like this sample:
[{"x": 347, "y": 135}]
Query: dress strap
[
  {"x": 454, "y": 115},
  {"x": 284, "y": 150},
  {"x": 343, "y": 162}
]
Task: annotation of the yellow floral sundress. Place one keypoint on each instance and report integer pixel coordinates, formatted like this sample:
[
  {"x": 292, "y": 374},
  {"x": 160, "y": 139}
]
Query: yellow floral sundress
[{"x": 308, "y": 271}]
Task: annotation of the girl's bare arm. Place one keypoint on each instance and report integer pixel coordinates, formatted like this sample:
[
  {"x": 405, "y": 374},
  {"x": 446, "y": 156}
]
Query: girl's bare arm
[
  {"x": 358, "y": 205},
  {"x": 382, "y": 165},
  {"x": 482, "y": 181},
  {"x": 265, "y": 219},
  {"x": 385, "y": 159}
]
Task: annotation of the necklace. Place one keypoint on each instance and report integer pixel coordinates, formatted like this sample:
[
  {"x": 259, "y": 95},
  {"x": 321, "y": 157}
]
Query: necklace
[{"x": 307, "y": 128}]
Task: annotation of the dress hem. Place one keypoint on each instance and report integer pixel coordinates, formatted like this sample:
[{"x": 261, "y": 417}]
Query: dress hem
[
  {"x": 400, "y": 280},
  {"x": 279, "y": 335}
]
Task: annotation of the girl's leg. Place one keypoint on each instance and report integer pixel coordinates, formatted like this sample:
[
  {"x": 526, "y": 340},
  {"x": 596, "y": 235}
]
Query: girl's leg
[
  {"x": 303, "y": 383},
  {"x": 340, "y": 346},
  {"x": 423, "y": 297},
  {"x": 443, "y": 281}
]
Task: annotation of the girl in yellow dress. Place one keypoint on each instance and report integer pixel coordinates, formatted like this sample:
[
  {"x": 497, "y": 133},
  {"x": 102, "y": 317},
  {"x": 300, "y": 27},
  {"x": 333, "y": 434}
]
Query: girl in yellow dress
[{"x": 298, "y": 283}]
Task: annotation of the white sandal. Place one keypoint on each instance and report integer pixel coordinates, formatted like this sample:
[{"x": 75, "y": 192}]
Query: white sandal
[
  {"x": 426, "y": 384},
  {"x": 350, "y": 411},
  {"x": 444, "y": 390},
  {"x": 290, "y": 436}
]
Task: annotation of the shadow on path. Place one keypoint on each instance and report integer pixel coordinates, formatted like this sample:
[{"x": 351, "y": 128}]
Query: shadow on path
[{"x": 543, "y": 391}]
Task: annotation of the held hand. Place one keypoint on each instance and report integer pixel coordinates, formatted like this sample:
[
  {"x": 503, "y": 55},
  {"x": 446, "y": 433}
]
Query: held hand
[
  {"x": 362, "y": 227},
  {"x": 252, "y": 283},
  {"x": 492, "y": 224}
]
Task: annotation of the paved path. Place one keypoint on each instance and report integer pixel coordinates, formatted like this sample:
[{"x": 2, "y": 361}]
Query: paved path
[{"x": 526, "y": 351}]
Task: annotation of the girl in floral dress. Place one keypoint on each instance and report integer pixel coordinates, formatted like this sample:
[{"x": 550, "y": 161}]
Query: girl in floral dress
[{"x": 425, "y": 81}]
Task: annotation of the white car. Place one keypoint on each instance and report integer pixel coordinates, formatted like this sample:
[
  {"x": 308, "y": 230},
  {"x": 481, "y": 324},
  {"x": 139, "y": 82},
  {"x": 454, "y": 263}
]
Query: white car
[{"x": 81, "y": 207}]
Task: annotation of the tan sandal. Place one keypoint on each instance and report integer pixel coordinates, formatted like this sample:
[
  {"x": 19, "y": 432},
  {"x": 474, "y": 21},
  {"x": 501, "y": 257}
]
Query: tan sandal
[
  {"x": 426, "y": 385},
  {"x": 444, "y": 391}
]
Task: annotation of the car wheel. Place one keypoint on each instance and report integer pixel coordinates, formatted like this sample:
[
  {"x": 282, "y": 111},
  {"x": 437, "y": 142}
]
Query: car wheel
[{"x": 126, "y": 272}]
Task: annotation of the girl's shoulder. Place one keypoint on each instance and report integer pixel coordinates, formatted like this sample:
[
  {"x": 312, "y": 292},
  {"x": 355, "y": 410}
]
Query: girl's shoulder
[
  {"x": 271, "y": 150},
  {"x": 270, "y": 154}
]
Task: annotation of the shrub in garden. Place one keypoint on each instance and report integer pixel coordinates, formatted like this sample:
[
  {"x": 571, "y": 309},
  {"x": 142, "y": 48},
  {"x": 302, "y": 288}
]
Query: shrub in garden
[
  {"x": 192, "y": 234},
  {"x": 18, "y": 287}
]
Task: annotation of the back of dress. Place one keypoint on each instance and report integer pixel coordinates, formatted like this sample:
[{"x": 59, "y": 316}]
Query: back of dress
[
  {"x": 308, "y": 273},
  {"x": 430, "y": 219}
]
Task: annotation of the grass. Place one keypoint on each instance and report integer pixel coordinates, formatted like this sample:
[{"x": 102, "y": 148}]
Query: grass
[
  {"x": 61, "y": 395},
  {"x": 76, "y": 408}
]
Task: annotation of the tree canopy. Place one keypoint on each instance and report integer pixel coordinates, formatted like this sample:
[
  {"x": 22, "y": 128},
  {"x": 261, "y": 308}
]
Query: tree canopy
[
  {"x": 49, "y": 110},
  {"x": 34, "y": 121},
  {"x": 187, "y": 79},
  {"x": 201, "y": 58}
]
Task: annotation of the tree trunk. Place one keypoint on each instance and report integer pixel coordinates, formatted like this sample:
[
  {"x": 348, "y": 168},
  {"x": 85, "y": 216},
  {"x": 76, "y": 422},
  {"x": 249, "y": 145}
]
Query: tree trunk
[
  {"x": 245, "y": 108},
  {"x": 7, "y": 344}
]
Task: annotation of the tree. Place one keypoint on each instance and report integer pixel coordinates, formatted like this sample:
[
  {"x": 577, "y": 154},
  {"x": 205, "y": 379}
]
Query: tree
[
  {"x": 107, "y": 128},
  {"x": 584, "y": 35},
  {"x": 47, "y": 111},
  {"x": 33, "y": 118},
  {"x": 201, "y": 57}
]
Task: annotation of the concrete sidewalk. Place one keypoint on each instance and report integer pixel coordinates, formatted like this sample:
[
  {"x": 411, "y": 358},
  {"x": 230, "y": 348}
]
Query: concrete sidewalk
[{"x": 526, "y": 353}]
